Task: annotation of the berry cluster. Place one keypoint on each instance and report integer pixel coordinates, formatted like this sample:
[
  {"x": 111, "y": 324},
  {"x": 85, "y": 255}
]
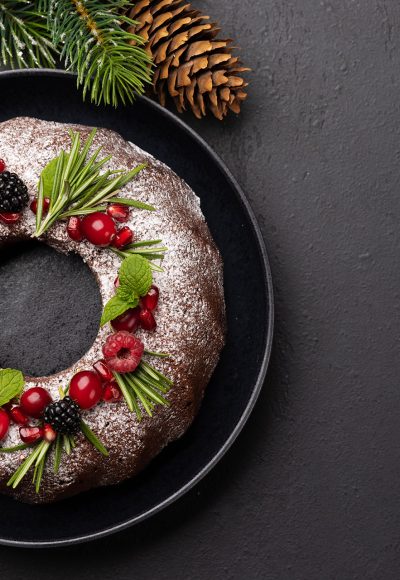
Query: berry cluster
[
  {"x": 13, "y": 195},
  {"x": 141, "y": 316},
  {"x": 100, "y": 228}
]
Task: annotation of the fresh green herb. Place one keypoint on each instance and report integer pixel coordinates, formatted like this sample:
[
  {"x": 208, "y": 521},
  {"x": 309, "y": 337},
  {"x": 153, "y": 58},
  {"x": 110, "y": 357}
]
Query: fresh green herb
[
  {"x": 75, "y": 185},
  {"x": 148, "y": 249},
  {"x": 91, "y": 437},
  {"x": 144, "y": 388},
  {"x": 135, "y": 279},
  {"x": 11, "y": 385}
]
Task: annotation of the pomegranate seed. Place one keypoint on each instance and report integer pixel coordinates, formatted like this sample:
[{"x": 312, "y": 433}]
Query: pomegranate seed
[
  {"x": 2, "y": 165},
  {"x": 129, "y": 320},
  {"x": 147, "y": 320},
  {"x": 119, "y": 212},
  {"x": 103, "y": 371},
  {"x": 4, "y": 423},
  {"x": 48, "y": 433},
  {"x": 34, "y": 401},
  {"x": 74, "y": 229},
  {"x": 85, "y": 389},
  {"x": 123, "y": 238},
  {"x": 150, "y": 301},
  {"x": 31, "y": 434},
  {"x": 116, "y": 282},
  {"x": 18, "y": 416},
  {"x": 99, "y": 229},
  {"x": 111, "y": 392},
  {"x": 10, "y": 218},
  {"x": 46, "y": 205}
]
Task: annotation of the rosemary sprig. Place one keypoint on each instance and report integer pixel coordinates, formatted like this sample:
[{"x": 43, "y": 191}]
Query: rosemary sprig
[
  {"x": 144, "y": 388},
  {"x": 148, "y": 249},
  {"x": 76, "y": 185}
]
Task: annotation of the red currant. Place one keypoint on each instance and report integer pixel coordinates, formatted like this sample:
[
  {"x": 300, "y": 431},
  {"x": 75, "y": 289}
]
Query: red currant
[
  {"x": 74, "y": 229},
  {"x": 111, "y": 392},
  {"x": 34, "y": 401},
  {"x": 85, "y": 389},
  {"x": 119, "y": 212},
  {"x": 147, "y": 320},
  {"x": 129, "y": 320},
  {"x": 18, "y": 416},
  {"x": 150, "y": 301},
  {"x": 48, "y": 433},
  {"x": 123, "y": 238},
  {"x": 31, "y": 434},
  {"x": 4, "y": 423},
  {"x": 10, "y": 218},
  {"x": 2, "y": 165},
  {"x": 46, "y": 205},
  {"x": 99, "y": 229},
  {"x": 103, "y": 371}
]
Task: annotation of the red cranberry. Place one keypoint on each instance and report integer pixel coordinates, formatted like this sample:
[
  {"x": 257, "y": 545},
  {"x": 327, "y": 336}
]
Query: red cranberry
[
  {"x": 116, "y": 282},
  {"x": 111, "y": 392},
  {"x": 18, "y": 416},
  {"x": 31, "y": 434},
  {"x": 46, "y": 205},
  {"x": 2, "y": 165},
  {"x": 147, "y": 320},
  {"x": 4, "y": 423},
  {"x": 118, "y": 212},
  {"x": 48, "y": 433},
  {"x": 10, "y": 218},
  {"x": 74, "y": 229},
  {"x": 34, "y": 401},
  {"x": 85, "y": 389},
  {"x": 150, "y": 301},
  {"x": 129, "y": 320},
  {"x": 99, "y": 229},
  {"x": 123, "y": 238},
  {"x": 103, "y": 371}
]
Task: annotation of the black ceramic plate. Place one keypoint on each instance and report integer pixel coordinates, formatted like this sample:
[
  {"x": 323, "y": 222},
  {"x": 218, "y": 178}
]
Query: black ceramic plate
[{"x": 237, "y": 381}]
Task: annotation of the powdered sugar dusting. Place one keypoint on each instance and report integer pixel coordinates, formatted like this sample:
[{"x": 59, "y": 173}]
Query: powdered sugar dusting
[{"x": 190, "y": 315}]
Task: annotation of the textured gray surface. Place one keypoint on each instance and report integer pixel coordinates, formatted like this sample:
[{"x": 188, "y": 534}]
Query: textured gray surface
[{"x": 310, "y": 489}]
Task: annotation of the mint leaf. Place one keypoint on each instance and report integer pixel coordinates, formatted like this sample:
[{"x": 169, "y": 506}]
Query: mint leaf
[
  {"x": 135, "y": 273},
  {"x": 11, "y": 385},
  {"x": 48, "y": 174},
  {"x": 115, "y": 307},
  {"x": 126, "y": 293}
]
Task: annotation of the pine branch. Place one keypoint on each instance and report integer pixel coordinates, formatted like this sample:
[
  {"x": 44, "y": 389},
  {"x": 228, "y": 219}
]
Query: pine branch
[
  {"x": 110, "y": 62},
  {"x": 24, "y": 37}
]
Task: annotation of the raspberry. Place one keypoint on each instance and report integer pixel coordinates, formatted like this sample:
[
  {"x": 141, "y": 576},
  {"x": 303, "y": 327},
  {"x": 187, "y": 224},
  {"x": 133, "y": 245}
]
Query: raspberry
[{"x": 123, "y": 352}]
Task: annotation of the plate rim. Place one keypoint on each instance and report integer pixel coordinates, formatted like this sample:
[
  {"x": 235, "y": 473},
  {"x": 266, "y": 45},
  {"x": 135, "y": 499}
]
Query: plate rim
[{"x": 268, "y": 288}]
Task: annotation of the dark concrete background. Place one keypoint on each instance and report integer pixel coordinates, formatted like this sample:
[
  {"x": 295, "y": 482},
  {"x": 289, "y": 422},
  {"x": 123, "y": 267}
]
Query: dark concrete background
[{"x": 310, "y": 490}]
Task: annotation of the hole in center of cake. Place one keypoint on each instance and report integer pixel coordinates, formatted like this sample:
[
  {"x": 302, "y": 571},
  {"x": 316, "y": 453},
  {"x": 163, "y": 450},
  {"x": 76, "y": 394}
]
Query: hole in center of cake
[{"x": 50, "y": 308}]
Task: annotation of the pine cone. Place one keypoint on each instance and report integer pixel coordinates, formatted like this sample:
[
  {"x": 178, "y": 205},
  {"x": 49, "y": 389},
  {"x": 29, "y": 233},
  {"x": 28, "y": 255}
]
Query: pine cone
[{"x": 193, "y": 65}]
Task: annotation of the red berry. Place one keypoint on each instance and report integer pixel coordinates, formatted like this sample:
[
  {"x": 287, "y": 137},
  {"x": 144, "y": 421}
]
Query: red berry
[
  {"x": 111, "y": 392},
  {"x": 74, "y": 229},
  {"x": 118, "y": 212},
  {"x": 99, "y": 229},
  {"x": 10, "y": 218},
  {"x": 4, "y": 423},
  {"x": 34, "y": 401},
  {"x": 46, "y": 205},
  {"x": 2, "y": 165},
  {"x": 129, "y": 320},
  {"x": 85, "y": 389},
  {"x": 48, "y": 433},
  {"x": 150, "y": 301},
  {"x": 31, "y": 434},
  {"x": 103, "y": 371},
  {"x": 116, "y": 282},
  {"x": 123, "y": 238},
  {"x": 147, "y": 320},
  {"x": 18, "y": 416},
  {"x": 123, "y": 351}
]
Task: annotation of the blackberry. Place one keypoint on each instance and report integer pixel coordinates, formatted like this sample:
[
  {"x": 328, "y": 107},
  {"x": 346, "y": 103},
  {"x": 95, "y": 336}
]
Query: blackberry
[
  {"x": 13, "y": 193},
  {"x": 63, "y": 416}
]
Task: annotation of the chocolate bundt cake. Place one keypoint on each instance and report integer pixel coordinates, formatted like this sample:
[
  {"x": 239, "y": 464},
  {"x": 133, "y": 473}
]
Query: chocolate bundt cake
[{"x": 190, "y": 314}]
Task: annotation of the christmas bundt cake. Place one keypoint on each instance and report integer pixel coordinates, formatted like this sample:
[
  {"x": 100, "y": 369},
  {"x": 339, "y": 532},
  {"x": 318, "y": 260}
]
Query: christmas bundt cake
[{"x": 140, "y": 229}]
